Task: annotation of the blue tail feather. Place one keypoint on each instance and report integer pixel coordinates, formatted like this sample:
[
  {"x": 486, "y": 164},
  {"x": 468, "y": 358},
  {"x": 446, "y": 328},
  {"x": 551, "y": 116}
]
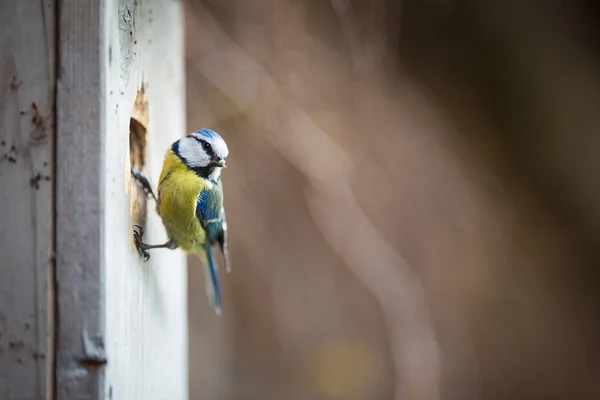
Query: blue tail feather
[{"x": 212, "y": 276}]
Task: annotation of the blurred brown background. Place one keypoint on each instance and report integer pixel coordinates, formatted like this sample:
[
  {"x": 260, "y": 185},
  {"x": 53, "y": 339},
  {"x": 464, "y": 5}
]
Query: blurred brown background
[{"x": 412, "y": 198}]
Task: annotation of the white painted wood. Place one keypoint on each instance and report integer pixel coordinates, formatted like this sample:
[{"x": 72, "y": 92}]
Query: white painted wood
[
  {"x": 26, "y": 181},
  {"x": 122, "y": 330},
  {"x": 146, "y": 303}
]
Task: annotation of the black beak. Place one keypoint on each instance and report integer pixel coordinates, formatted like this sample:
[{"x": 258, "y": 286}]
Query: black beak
[{"x": 218, "y": 163}]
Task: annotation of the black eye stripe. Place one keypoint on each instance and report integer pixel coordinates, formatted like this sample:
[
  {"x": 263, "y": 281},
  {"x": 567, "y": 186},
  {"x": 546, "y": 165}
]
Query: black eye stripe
[
  {"x": 208, "y": 149},
  {"x": 201, "y": 141}
]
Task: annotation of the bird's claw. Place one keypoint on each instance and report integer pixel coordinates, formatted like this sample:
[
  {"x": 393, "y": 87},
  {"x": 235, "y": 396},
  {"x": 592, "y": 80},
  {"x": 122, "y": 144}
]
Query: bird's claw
[
  {"x": 147, "y": 192},
  {"x": 143, "y": 182},
  {"x": 139, "y": 244}
]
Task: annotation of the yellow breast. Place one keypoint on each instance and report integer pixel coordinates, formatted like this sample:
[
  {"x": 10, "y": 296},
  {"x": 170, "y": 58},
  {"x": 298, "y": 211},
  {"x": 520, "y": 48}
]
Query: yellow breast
[{"x": 178, "y": 190}]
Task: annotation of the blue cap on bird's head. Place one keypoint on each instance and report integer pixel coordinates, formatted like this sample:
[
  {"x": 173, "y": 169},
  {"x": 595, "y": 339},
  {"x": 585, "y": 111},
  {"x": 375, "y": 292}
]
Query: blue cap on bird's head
[
  {"x": 203, "y": 148},
  {"x": 208, "y": 133}
]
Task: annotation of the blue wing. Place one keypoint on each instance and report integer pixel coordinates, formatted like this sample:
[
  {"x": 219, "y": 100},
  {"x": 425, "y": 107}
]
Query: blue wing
[{"x": 209, "y": 212}]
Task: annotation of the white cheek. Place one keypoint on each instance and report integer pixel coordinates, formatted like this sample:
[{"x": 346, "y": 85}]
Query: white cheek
[{"x": 215, "y": 174}]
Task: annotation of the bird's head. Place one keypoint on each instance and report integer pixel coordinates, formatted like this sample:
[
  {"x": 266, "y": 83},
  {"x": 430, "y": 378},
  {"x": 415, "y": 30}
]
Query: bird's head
[{"x": 204, "y": 149}]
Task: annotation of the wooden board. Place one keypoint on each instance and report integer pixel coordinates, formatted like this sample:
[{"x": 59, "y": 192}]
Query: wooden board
[
  {"x": 146, "y": 307},
  {"x": 26, "y": 187},
  {"x": 81, "y": 317},
  {"x": 80, "y": 352},
  {"x": 122, "y": 326}
]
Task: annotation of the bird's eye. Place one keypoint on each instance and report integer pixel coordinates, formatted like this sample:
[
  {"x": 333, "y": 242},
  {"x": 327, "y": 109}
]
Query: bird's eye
[{"x": 206, "y": 145}]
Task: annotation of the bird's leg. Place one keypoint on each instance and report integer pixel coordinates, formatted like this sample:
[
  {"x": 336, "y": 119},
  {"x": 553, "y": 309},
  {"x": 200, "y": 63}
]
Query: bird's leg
[
  {"x": 143, "y": 181},
  {"x": 144, "y": 247}
]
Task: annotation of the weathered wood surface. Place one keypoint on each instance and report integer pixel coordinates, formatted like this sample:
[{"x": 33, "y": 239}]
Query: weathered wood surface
[
  {"x": 120, "y": 329},
  {"x": 26, "y": 181},
  {"x": 80, "y": 348},
  {"x": 146, "y": 306},
  {"x": 123, "y": 325}
]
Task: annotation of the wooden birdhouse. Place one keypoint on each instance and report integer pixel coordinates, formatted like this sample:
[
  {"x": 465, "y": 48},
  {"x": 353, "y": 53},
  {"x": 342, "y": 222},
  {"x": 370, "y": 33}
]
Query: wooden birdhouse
[{"x": 88, "y": 90}]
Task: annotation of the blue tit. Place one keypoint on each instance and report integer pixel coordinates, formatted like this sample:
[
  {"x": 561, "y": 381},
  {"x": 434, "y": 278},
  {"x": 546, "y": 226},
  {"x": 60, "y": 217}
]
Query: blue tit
[{"x": 190, "y": 203}]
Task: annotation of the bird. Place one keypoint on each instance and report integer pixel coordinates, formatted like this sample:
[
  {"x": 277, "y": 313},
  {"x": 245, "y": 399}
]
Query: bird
[{"x": 189, "y": 201}]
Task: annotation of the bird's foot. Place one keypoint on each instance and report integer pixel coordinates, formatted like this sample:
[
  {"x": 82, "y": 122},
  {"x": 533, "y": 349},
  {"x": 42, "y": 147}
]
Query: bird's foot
[
  {"x": 141, "y": 247},
  {"x": 144, "y": 182}
]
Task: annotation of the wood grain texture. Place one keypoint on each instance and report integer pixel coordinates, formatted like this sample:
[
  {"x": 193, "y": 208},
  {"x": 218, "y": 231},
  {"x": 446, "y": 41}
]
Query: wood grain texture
[
  {"x": 121, "y": 325},
  {"x": 80, "y": 352},
  {"x": 26, "y": 181},
  {"x": 146, "y": 306}
]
